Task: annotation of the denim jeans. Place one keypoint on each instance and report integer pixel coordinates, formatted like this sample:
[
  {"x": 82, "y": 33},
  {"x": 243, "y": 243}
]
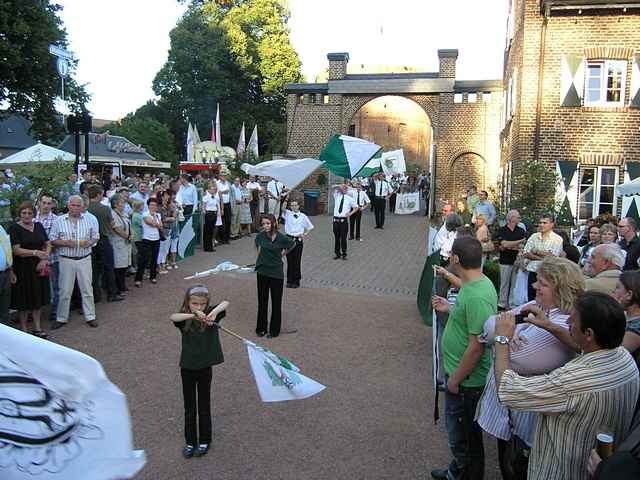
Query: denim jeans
[{"x": 465, "y": 435}]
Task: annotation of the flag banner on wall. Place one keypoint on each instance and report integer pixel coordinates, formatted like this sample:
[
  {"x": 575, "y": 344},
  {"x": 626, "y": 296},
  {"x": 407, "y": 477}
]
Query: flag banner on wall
[
  {"x": 277, "y": 379},
  {"x": 345, "y": 156},
  {"x": 290, "y": 172},
  {"x": 393, "y": 162},
  {"x": 187, "y": 239},
  {"x": 407, "y": 203},
  {"x": 60, "y": 416}
]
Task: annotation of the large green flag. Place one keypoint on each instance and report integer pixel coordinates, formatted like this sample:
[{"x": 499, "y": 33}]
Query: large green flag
[
  {"x": 345, "y": 156},
  {"x": 373, "y": 166},
  {"x": 426, "y": 288}
]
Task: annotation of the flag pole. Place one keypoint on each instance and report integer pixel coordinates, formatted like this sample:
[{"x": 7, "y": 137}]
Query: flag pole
[{"x": 233, "y": 334}]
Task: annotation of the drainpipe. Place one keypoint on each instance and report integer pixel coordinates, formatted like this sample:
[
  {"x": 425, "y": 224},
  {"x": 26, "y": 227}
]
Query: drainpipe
[{"x": 543, "y": 41}]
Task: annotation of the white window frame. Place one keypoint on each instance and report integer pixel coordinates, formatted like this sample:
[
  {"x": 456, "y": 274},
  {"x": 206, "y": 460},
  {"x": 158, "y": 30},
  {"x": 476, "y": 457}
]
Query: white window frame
[
  {"x": 597, "y": 187},
  {"x": 457, "y": 98},
  {"x": 472, "y": 97},
  {"x": 604, "y": 66}
]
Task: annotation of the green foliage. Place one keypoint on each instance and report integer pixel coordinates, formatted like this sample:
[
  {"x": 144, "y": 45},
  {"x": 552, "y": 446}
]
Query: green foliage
[
  {"x": 534, "y": 188},
  {"x": 156, "y": 137},
  {"x": 29, "y": 81},
  {"x": 31, "y": 180},
  {"x": 233, "y": 53}
]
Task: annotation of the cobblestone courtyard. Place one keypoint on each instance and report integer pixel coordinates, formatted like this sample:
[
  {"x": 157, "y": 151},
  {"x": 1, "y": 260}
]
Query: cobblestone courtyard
[{"x": 366, "y": 343}]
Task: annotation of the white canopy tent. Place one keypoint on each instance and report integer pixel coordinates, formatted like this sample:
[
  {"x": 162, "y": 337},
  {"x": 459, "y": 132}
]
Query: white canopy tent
[
  {"x": 39, "y": 153},
  {"x": 628, "y": 189}
]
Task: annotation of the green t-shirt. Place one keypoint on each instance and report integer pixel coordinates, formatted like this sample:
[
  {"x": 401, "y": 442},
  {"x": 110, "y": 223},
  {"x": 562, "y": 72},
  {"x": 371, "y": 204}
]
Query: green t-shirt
[
  {"x": 476, "y": 302},
  {"x": 269, "y": 262},
  {"x": 104, "y": 216},
  {"x": 200, "y": 348},
  {"x": 136, "y": 226}
]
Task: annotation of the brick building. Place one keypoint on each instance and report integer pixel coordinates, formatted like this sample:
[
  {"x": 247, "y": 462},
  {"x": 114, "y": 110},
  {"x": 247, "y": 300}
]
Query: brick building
[
  {"x": 572, "y": 92},
  {"x": 453, "y": 132}
]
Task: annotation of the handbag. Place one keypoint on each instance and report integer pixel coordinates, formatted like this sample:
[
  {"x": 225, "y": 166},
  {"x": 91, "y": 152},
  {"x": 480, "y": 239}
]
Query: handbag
[{"x": 515, "y": 457}]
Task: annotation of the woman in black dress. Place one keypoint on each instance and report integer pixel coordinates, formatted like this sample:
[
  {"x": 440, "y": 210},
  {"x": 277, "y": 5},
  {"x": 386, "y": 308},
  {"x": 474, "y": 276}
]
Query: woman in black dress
[{"x": 31, "y": 250}]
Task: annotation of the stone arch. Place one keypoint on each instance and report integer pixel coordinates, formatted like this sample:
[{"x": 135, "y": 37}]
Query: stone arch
[{"x": 466, "y": 168}]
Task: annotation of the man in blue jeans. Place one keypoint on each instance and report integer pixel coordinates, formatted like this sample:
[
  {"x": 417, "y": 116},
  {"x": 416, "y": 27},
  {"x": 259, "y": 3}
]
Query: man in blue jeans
[{"x": 466, "y": 362}]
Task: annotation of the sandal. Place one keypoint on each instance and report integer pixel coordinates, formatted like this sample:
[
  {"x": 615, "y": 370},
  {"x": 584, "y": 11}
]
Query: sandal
[{"x": 40, "y": 334}]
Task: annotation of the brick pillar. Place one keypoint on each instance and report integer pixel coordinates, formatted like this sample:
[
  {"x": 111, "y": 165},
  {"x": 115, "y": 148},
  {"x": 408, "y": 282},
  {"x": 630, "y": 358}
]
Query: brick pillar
[
  {"x": 338, "y": 65},
  {"x": 448, "y": 63}
]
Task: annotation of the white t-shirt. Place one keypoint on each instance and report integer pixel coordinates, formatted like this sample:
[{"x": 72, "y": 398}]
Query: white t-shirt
[
  {"x": 381, "y": 188},
  {"x": 223, "y": 190},
  {"x": 275, "y": 188},
  {"x": 360, "y": 197},
  {"x": 149, "y": 232},
  {"x": 296, "y": 223},
  {"x": 211, "y": 202},
  {"x": 347, "y": 205}
]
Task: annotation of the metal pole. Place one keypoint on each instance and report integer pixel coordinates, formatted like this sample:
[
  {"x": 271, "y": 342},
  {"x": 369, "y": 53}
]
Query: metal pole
[
  {"x": 86, "y": 148},
  {"x": 77, "y": 162}
]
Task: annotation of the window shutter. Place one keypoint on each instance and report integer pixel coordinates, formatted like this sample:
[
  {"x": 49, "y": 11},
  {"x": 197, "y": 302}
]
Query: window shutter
[
  {"x": 635, "y": 81},
  {"x": 566, "y": 193},
  {"x": 572, "y": 71}
]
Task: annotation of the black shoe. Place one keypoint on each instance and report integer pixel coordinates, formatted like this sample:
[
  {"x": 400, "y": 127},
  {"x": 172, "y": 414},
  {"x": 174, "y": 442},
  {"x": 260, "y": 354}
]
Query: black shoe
[
  {"x": 272, "y": 335},
  {"x": 289, "y": 285},
  {"x": 115, "y": 298},
  {"x": 202, "y": 450},
  {"x": 336, "y": 257},
  {"x": 440, "y": 474},
  {"x": 295, "y": 285},
  {"x": 188, "y": 451},
  {"x": 261, "y": 334},
  {"x": 93, "y": 324},
  {"x": 56, "y": 325},
  {"x": 344, "y": 257}
]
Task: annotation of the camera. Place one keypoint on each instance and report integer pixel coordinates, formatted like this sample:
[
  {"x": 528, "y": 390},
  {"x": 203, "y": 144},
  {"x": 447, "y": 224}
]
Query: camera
[{"x": 521, "y": 317}]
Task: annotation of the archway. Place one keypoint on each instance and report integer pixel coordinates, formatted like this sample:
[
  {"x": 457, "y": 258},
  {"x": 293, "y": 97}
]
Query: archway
[
  {"x": 395, "y": 122},
  {"x": 466, "y": 170}
]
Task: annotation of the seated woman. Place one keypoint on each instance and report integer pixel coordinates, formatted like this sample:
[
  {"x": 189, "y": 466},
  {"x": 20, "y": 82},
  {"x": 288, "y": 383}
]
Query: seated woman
[{"x": 541, "y": 344}]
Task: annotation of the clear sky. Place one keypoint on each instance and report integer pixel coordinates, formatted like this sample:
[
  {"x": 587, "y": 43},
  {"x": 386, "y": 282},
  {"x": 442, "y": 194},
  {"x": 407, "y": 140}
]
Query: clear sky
[{"x": 121, "y": 44}]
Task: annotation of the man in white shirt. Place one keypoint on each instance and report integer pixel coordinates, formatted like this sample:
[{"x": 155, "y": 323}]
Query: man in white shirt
[
  {"x": 224, "y": 189},
  {"x": 297, "y": 226},
  {"x": 381, "y": 191},
  {"x": 187, "y": 195},
  {"x": 344, "y": 206},
  {"x": 545, "y": 242},
  {"x": 254, "y": 204},
  {"x": 142, "y": 194},
  {"x": 276, "y": 191},
  {"x": 362, "y": 201}
]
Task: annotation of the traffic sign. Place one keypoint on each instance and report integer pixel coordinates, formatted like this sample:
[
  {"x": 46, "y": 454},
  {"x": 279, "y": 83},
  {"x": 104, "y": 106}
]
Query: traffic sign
[
  {"x": 63, "y": 67},
  {"x": 60, "y": 52}
]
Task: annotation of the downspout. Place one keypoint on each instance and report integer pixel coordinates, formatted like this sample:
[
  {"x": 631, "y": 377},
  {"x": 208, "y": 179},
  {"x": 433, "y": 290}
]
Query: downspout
[{"x": 543, "y": 41}]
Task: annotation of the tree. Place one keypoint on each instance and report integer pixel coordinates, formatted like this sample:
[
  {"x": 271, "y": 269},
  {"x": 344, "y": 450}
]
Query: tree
[
  {"x": 153, "y": 135},
  {"x": 232, "y": 53},
  {"x": 29, "y": 83},
  {"x": 534, "y": 188}
]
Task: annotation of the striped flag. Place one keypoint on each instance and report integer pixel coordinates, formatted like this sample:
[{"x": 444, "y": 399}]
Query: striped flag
[{"x": 345, "y": 156}]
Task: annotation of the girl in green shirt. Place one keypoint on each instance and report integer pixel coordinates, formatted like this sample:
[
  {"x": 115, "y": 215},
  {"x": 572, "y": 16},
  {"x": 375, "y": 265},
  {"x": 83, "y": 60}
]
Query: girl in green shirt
[{"x": 200, "y": 350}]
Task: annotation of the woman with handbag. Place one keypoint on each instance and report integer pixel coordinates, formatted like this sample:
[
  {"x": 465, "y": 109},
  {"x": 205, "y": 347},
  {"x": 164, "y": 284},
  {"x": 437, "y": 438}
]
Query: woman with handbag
[
  {"x": 31, "y": 249},
  {"x": 541, "y": 344}
]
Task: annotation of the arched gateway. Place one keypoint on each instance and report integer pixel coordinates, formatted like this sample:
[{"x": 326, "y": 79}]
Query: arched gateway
[{"x": 444, "y": 124}]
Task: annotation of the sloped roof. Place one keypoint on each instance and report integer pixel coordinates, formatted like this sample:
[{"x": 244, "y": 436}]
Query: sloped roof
[
  {"x": 109, "y": 146},
  {"x": 15, "y": 132}
]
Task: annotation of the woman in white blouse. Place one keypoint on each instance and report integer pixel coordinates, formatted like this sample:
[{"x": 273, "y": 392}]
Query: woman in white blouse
[
  {"x": 541, "y": 344},
  {"x": 150, "y": 245},
  {"x": 211, "y": 208}
]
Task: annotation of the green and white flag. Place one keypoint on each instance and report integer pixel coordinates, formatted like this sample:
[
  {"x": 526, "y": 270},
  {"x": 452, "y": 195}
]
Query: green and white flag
[
  {"x": 345, "y": 156},
  {"x": 277, "y": 379},
  {"x": 186, "y": 240},
  {"x": 372, "y": 167}
]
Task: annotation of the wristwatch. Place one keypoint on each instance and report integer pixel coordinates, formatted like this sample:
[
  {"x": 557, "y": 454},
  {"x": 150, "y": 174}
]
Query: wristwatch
[{"x": 502, "y": 340}]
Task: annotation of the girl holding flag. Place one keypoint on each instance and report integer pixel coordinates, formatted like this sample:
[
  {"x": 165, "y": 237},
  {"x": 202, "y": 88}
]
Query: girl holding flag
[{"x": 201, "y": 350}]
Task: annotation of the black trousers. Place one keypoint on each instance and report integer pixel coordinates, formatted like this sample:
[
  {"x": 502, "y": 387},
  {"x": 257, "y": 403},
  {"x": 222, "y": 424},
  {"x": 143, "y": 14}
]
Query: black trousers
[
  {"x": 294, "y": 259},
  {"x": 196, "y": 391},
  {"x": 148, "y": 257},
  {"x": 392, "y": 203},
  {"x": 379, "y": 205},
  {"x": 268, "y": 285},
  {"x": 187, "y": 210},
  {"x": 354, "y": 224},
  {"x": 102, "y": 269},
  {"x": 121, "y": 283},
  {"x": 209, "y": 231},
  {"x": 531, "y": 279},
  {"x": 340, "y": 228},
  {"x": 226, "y": 223},
  {"x": 255, "y": 216}
]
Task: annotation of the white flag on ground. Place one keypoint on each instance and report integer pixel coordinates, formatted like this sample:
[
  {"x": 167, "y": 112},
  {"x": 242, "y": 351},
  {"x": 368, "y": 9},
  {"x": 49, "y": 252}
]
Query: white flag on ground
[
  {"x": 253, "y": 143},
  {"x": 60, "y": 416},
  {"x": 277, "y": 379}
]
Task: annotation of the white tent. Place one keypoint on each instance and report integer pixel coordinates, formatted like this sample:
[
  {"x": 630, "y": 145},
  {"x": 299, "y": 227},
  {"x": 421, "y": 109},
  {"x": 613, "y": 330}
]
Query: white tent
[
  {"x": 628, "y": 189},
  {"x": 38, "y": 153}
]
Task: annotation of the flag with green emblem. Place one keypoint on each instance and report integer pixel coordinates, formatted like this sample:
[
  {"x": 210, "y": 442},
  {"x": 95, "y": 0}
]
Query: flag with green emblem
[{"x": 346, "y": 156}]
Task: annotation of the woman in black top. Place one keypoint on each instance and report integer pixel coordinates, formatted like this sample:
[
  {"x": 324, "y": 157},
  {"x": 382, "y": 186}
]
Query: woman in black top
[
  {"x": 271, "y": 246},
  {"x": 31, "y": 250}
]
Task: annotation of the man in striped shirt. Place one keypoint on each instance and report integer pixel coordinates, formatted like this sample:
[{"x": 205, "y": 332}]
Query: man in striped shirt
[
  {"x": 73, "y": 235},
  {"x": 596, "y": 392}
]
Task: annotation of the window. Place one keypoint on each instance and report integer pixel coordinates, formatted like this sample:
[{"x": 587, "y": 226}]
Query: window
[
  {"x": 486, "y": 97},
  {"x": 325, "y": 99},
  {"x": 597, "y": 185},
  {"x": 352, "y": 130},
  {"x": 605, "y": 83},
  {"x": 300, "y": 99},
  {"x": 472, "y": 97},
  {"x": 457, "y": 98}
]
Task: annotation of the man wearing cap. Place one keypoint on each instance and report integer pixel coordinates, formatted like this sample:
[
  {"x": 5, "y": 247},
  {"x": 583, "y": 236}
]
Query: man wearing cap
[
  {"x": 344, "y": 206},
  {"x": 362, "y": 202}
]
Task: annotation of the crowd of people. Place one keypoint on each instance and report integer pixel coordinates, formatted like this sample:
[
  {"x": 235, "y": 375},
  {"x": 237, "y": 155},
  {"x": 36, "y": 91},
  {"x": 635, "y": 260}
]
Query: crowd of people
[{"x": 548, "y": 362}]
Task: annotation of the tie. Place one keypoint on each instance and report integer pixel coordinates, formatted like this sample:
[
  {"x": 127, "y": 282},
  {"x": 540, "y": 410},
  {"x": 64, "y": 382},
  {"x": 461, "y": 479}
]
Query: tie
[
  {"x": 358, "y": 198},
  {"x": 277, "y": 192},
  {"x": 341, "y": 205},
  {"x": 379, "y": 188}
]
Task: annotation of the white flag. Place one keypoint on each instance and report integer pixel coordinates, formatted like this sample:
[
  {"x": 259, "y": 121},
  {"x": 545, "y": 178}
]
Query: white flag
[
  {"x": 277, "y": 379},
  {"x": 393, "y": 162},
  {"x": 186, "y": 237},
  {"x": 253, "y": 143},
  {"x": 190, "y": 143},
  {"x": 218, "y": 139},
  {"x": 242, "y": 144},
  {"x": 60, "y": 416},
  {"x": 290, "y": 172},
  {"x": 196, "y": 136}
]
